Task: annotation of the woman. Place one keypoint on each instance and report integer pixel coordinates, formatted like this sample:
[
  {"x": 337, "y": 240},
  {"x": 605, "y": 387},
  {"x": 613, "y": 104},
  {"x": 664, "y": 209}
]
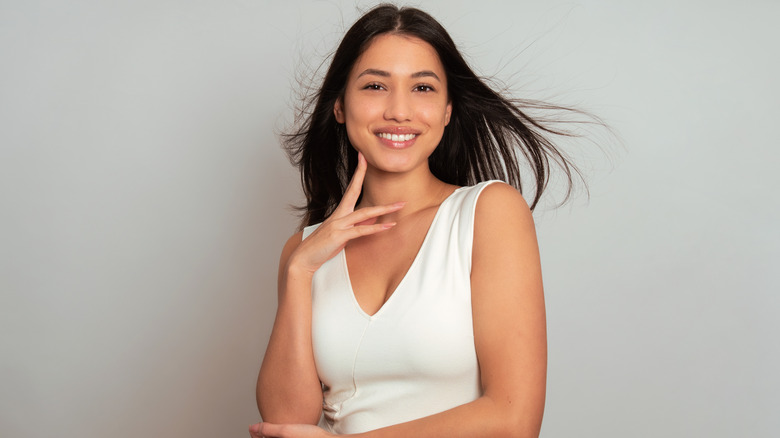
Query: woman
[{"x": 411, "y": 303}]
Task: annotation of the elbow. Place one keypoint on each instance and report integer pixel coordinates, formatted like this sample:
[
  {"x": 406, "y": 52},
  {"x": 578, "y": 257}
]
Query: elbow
[
  {"x": 514, "y": 421},
  {"x": 521, "y": 430},
  {"x": 289, "y": 413},
  {"x": 521, "y": 425},
  {"x": 510, "y": 428},
  {"x": 280, "y": 408}
]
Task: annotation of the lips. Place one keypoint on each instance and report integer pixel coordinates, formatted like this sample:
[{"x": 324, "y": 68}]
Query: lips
[
  {"x": 396, "y": 137},
  {"x": 397, "y": 140}
]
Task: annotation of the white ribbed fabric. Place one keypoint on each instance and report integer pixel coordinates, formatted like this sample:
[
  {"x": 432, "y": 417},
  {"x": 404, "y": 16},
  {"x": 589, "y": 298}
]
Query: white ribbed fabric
[{"x": 415, "y": 356}]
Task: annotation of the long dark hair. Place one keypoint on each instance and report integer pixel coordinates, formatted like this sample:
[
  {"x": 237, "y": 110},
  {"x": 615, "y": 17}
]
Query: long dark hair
[{"x": 481, "y": 142}]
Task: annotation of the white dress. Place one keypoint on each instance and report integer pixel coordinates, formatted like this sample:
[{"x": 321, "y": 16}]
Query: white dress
[{"x": 415, "y": 356}]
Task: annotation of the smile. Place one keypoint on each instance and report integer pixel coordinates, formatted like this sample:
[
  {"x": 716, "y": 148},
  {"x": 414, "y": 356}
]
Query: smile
[{"x": 396, "y": 137}]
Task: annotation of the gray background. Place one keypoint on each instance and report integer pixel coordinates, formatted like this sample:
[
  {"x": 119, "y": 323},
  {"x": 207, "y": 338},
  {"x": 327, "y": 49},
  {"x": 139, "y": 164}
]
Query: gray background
[{"x": 144, "y": 203}]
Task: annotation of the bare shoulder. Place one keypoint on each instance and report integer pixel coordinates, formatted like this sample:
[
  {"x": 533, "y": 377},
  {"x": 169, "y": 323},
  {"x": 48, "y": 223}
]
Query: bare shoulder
[
  {"x": 501, "y": 207},
  {"x": 504, "y": 231},
  {"x": 290, "y": 246}
]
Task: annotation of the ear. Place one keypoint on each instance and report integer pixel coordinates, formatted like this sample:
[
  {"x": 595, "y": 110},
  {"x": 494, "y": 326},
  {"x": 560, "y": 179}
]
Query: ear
[
  {"x": 448, "y": 113},
  {"x": 338, "y": 111}
]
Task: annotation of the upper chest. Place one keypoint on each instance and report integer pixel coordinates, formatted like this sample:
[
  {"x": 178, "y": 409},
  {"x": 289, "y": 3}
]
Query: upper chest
[{"x": 378, "y": 264}]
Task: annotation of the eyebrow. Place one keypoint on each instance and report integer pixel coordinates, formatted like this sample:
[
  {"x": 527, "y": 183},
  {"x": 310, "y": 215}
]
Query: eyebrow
[{"x": 419, "y": 74}]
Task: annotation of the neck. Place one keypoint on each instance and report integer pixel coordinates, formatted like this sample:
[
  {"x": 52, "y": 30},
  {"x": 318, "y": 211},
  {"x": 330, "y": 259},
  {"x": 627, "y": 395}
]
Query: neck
[{"x": 418, "y": 189}]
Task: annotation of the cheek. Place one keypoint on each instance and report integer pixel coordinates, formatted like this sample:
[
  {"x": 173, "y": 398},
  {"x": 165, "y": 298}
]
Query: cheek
[
  {"x": 435, "y": 114},
  {"x": 360, "y": 101},
  {"x": 360, "y": 114},
  {"x": 358, "y": 120}
]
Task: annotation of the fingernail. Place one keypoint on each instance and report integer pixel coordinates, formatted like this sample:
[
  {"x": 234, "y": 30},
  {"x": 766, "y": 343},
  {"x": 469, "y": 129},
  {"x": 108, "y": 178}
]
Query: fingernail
[
  {"x": 388, "y": 225},
  {"x": 399, "y": 204}
]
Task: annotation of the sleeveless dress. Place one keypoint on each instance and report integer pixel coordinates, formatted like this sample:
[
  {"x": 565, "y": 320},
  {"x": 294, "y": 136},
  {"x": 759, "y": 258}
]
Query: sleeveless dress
[{"x": 415, "y": 356}]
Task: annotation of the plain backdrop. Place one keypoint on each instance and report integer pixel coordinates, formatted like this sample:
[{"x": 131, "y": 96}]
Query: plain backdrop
[{"x": 144, "y": 199}]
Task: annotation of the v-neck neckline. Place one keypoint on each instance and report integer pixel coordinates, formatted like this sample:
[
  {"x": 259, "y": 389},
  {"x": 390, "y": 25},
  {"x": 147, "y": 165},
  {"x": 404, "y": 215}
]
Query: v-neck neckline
[{"x": 415, "y": 262}]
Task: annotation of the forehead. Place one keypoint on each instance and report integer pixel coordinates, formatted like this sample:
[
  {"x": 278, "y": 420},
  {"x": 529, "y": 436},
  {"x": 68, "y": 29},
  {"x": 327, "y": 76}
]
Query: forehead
[{"x": 399, "y": 54}]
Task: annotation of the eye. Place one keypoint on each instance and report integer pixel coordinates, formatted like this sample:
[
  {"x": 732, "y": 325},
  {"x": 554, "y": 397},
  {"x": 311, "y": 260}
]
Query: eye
[
  {"x": 373, "y": 86},
  {"x": 423, "y": 88}
]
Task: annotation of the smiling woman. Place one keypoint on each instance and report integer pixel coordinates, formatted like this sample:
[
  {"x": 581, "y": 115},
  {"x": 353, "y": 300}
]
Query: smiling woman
[
  {"x": 411, "y": 302},
  {"x": 396, "y": 98}
]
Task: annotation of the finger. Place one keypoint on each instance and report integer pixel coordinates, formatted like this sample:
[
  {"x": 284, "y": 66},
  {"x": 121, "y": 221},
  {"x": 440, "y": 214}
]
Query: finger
[
  {"x": 254, "y": 431},
  {"x": 355, "y": 186},
  {"x": 367, "y": 213},
  {"x": 365, "y": 230},
  {"x": 351, "y": 195},
  {"x": 370, "y": 221},
  {"x": 271, "y": 430}
]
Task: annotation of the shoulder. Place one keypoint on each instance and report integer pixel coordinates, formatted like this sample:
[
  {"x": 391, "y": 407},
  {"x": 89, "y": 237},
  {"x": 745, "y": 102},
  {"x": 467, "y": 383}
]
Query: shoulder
[
  {"x": 290, "y": 246},
  {"x": 504, "y": 230},
  {"x": 499, "y": 191},
  {"x": 501, "y": 206}
]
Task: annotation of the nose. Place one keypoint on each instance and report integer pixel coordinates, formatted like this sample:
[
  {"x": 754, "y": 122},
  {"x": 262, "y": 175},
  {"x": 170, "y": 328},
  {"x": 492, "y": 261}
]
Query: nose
[{"x": 399, "y": 107}]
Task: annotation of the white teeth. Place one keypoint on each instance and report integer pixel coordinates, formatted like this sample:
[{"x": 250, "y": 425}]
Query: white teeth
[{"x": 397, "y": 137}]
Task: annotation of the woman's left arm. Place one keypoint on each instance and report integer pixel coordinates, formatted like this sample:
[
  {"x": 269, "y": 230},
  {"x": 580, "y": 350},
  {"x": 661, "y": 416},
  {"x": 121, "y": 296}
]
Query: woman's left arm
[{"x": 509, "y": 332}]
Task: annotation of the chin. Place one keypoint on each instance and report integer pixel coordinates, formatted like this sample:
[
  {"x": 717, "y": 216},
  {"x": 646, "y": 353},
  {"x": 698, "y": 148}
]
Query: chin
[
  {"x": 399, "y": 168},
  {"x": 396, "y": 161}
]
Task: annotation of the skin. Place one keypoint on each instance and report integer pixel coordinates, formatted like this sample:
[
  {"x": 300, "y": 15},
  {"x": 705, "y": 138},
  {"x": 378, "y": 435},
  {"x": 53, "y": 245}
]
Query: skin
[{"x": 399, "y": 83}]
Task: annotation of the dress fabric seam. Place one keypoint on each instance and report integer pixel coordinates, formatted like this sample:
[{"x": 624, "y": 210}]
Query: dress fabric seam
[{"x": 354, "y": 367}]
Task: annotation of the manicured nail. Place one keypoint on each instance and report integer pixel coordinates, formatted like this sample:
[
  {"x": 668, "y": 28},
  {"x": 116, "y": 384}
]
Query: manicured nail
[{"x": 388, "y": 225}]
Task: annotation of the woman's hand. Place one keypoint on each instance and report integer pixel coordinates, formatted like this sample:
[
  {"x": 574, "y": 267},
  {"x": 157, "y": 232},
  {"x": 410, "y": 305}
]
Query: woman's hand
[
  {"x": 342, "y": 226},
  {"x": 268, "y": 430}
]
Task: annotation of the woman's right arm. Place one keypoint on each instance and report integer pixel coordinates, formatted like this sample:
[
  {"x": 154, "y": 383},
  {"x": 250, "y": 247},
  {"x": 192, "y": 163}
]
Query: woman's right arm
[{"x": 288, "y": 388}]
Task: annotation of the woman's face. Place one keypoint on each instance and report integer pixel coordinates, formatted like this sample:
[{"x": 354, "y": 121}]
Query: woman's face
[{"x": 395, "y": 106}]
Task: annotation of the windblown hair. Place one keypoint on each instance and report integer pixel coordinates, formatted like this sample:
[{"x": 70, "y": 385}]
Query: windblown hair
[{"x": 486, "y": 135}]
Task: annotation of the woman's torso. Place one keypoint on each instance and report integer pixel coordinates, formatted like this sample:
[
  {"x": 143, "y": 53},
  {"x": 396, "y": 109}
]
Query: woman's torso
[{"x": 415, "y": 356}]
